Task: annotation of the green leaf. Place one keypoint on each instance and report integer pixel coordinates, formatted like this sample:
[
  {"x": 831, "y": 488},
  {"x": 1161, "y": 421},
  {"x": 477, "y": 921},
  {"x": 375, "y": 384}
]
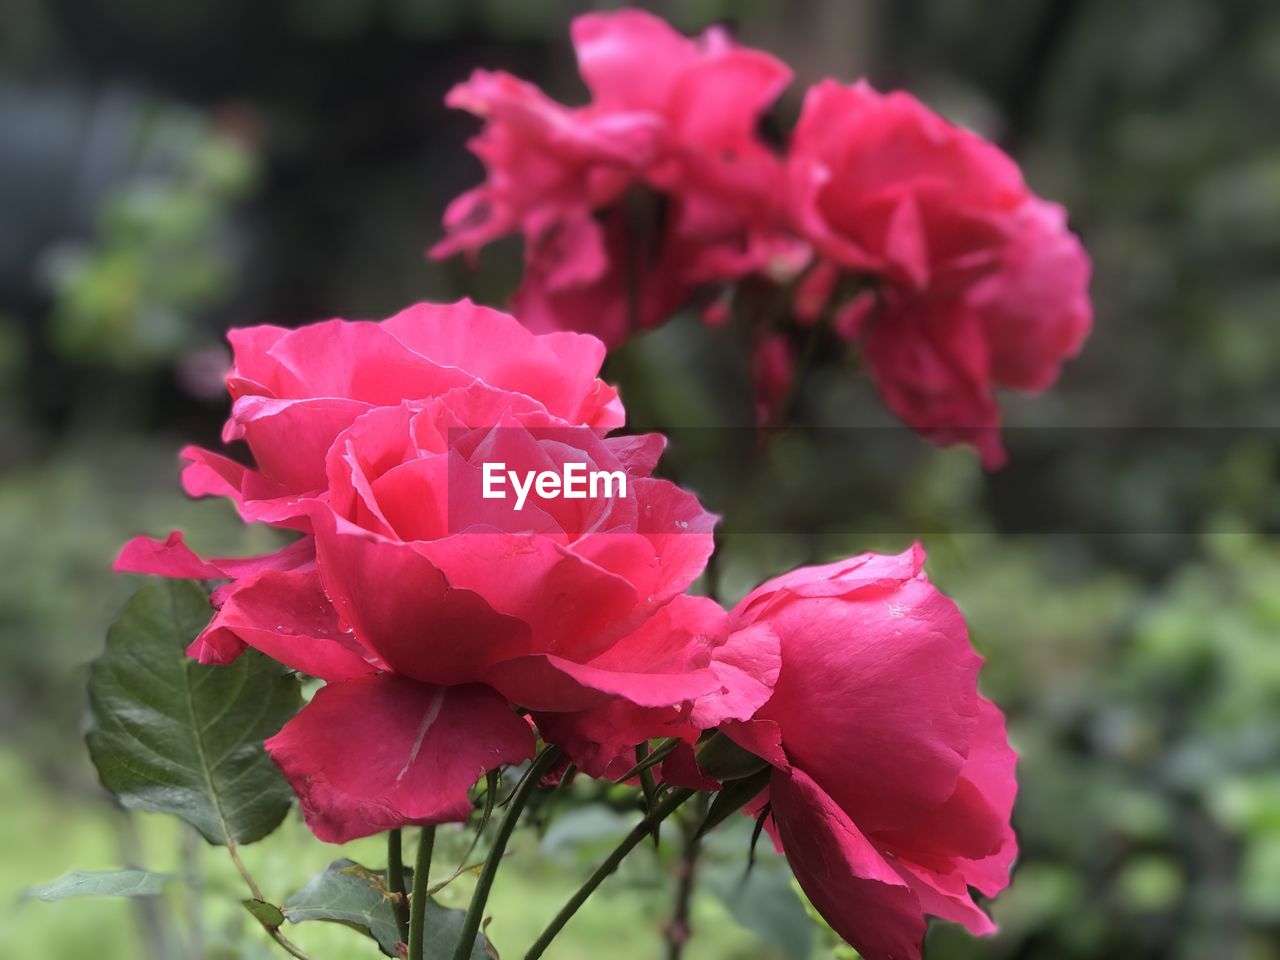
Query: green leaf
[
  {"x": 349, "y": 894},
  {"x": 650, "y": 759},
  {"x": 170, "y": 735},
  {"x": 585, "y": 830},
  {"x": 267, "y": 914},
  {"x": 764, "y": 901},
  {"x": 108, "y": 883},
  {"x": 723, "y": 759},
  {"x": 733, "y": 796}
]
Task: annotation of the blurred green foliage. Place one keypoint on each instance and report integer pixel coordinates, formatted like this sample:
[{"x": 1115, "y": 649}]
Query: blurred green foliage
[
  {"x": 170, "y": 170},
  {"x": 158, "y": 255}
]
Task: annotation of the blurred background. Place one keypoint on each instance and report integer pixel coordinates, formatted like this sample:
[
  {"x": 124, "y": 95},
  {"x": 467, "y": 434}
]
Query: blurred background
[{"x": 170, "y": 170}]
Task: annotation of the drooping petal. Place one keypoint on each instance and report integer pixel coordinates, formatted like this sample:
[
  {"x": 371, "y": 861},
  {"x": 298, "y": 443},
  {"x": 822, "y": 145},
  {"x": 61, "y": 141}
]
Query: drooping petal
[
  {"x": 847, "y": 880},
  {"x": 381, "y": 752},
  {"x": 677, "y": 676}
]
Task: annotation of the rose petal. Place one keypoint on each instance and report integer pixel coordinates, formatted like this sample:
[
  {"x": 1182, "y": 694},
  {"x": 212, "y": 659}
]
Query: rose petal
[{"x": 383, "y": 752}]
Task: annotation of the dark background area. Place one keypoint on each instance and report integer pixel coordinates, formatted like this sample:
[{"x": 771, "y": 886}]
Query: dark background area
[{"x": 170, "y": 170}]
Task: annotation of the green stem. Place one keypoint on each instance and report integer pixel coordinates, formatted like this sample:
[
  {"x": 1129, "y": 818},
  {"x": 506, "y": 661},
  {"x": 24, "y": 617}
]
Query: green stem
[
  {"x": 475, "y": 912},
  {"x": 395, "y": 880},
  {"x": 418, "y": 902},
  {"x": 648, "y": 786},
  {"x": 288, "y": 945},
  {"x": 680, "y": 928},
  {"x": 667, "y": 806}
]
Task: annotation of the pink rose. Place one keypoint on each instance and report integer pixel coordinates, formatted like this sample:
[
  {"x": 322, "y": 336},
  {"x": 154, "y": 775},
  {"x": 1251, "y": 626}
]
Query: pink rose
[
  {"x": 659, "y": 184},
  {"x": 981, "y": 284},
  {"x": 563, "y": 606},
  {"x": 893, "y": 780},
  {"x": 439, "y": 616},
  {"x": 294, "y": 391}
]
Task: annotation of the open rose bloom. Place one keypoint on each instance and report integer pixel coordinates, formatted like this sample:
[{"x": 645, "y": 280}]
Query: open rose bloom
[
  {"x": 893, "y": 780},
  {"x": 660, "y": 194},
  {"x": 439, "y": 617},
  {"x": 454, "y": 629},
  {"x": 481, "y": 567},
  {"x": 658, "y": 185}
]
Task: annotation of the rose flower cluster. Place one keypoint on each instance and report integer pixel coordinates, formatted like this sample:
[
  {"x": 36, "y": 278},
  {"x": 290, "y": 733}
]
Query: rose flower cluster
[
  {"x": 914, "y": 239},
  {"x": 454, "y": 634}
]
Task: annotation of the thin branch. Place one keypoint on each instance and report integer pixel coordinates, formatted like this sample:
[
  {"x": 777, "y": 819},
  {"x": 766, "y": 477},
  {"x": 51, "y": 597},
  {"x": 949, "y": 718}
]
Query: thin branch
[{"x": 288, "y": 945}]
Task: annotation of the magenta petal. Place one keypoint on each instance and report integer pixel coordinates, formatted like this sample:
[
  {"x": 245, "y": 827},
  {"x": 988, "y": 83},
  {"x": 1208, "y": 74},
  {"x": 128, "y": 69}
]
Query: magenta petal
[
  {"x": 637, "y": 453},
  {"x": 664, "y": 663},
  {"x": 681, "y": 769},
  {"x": 170, "y": 557},
  {"x": 761, "y": 737},
  {"x": 290, "y": 438},
  {"x": 558, "y": 370},
  {"x": 630, "y": 58},
  {"x": 581, "y": 685},
  {"x": 890, "y": 659},
  {"x": 404, "y": 609},
  {"x": 746, "y": 666},
  {"x": 257, "y": 498},
  {"x": 570, "y": 604},
  {"x": 381, "y": 752},
  {"x": 855, "y": 889},
  {"x": 970, "y": 833},
  {"x": 947, "y": 897},
  {"x": 288, "y": 617},
  {"x": 209, "y": 474}
]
